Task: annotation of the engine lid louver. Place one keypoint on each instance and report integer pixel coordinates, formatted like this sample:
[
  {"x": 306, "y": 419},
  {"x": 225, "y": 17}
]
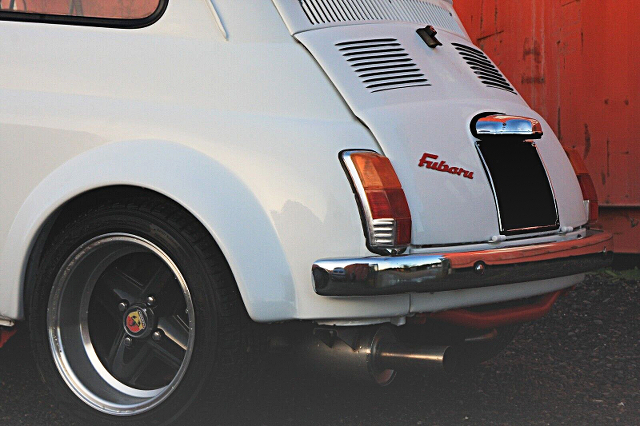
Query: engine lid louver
[
  {"x": 382, "y": 64},
  {"x": 488, "y": 74},
  {"x": 417, "y": 11}
]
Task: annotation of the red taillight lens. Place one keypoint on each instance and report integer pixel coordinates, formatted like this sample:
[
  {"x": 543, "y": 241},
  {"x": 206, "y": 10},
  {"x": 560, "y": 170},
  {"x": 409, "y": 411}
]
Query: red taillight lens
[
  {"x": 379, "y": 204},
  {"x": 387, "y": 211},
  {"x": 586, "y": 184}
]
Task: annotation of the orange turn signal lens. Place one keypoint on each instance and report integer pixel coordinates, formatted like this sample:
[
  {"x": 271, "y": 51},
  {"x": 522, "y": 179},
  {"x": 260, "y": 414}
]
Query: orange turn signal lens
[
  {"x": 387, "y": 210},
  {"x": 375, "y": 171},
  {"x": 586, "y": 184}
]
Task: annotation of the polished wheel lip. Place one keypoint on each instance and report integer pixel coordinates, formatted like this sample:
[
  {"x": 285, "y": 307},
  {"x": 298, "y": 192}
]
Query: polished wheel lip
[{"x": 125, "y": 400}]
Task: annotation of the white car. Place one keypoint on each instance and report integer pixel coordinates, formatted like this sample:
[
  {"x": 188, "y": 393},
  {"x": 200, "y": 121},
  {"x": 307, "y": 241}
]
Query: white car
[{"x": 354, "y": 172}]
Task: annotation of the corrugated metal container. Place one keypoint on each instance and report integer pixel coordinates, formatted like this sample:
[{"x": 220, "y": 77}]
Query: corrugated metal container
[{"x": 578, "y": 64}]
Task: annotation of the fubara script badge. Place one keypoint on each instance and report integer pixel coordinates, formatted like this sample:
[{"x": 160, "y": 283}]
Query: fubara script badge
[{"x": 429, "y": 161}]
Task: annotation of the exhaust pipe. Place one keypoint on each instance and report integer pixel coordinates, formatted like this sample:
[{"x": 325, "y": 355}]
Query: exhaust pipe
[
  {"x": 387, "y": 353},
  {"x": 372, "y": 353}
]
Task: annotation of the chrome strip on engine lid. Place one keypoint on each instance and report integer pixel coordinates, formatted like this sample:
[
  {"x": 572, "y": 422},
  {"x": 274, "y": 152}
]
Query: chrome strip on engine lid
[{"x": 508, "y": 125}]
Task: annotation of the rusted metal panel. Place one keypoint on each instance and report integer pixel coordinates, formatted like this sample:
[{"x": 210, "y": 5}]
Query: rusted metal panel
[
  {"x": 624, "y": 224},
  {"x": 577, "y": 63}
]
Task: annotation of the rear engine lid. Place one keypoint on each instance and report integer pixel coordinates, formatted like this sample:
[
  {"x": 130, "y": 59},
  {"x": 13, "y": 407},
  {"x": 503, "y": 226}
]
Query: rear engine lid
[
  {"x": 305, "y": 15},
  {"x": 419, "y": 102}
]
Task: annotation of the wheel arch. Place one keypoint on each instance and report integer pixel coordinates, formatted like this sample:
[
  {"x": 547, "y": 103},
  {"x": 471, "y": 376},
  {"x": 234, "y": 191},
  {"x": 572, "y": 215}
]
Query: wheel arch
[
  {"x": 63, "y": 215},
  {"x": 213, "y": 194}
]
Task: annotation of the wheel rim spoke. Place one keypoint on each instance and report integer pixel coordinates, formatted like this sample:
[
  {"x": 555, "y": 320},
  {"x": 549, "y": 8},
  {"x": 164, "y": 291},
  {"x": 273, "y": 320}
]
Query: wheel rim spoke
[
  {"x": 109, "y": 300},
  {"x": 115, "y": 346},
  {"x": 169, "y": 354},
  {"x": 158, "y": 281},
  {"x": 128, "y": 363},
  {"x": 124, "y": 286},
  {"x": 175, "y": 330}
]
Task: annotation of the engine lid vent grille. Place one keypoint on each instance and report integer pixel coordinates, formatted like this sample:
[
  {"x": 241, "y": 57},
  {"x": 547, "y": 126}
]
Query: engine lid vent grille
[
  {"x": 418, "y": 11},
  {"x": 483, "y": 68},
  {"x": 382, "y": 64}
]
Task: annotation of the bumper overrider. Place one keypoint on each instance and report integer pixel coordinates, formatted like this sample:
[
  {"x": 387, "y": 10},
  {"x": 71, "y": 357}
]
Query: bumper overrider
[{"x": 371, "y": 276}]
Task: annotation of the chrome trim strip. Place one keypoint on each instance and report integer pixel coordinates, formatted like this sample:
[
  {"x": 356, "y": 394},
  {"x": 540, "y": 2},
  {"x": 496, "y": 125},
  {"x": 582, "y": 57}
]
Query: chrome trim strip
[
  {"x": 219, "y": 23},
  {"x": 548, "y": 236},
  {"x": 362, "y": 196},
  {"x": 376, "y": 275},
  {"x": 379, "y": 236},
  {"x": 6, "y": 322},
  {"x": 373, "y": 276},
  {"x": 508, "y": 125}
]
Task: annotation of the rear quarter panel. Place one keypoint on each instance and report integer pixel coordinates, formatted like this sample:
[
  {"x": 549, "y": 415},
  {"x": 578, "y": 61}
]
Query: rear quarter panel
[{"x": 244, "y": 133}]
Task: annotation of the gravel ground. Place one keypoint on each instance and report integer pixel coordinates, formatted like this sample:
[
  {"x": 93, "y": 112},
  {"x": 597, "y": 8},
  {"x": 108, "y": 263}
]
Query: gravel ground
[{"x": 577, "y": 366}]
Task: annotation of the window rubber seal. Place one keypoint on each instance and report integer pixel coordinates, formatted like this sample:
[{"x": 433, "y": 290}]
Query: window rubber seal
[{"x": 85, "y": 21}]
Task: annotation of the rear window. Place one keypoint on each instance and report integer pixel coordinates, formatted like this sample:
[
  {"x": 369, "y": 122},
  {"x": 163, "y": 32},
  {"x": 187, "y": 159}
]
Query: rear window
[{"x": 87, "y": 12}]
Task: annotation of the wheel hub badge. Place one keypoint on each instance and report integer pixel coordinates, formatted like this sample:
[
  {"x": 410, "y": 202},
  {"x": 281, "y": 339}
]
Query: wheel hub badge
[{"x": 137, "y": 321}]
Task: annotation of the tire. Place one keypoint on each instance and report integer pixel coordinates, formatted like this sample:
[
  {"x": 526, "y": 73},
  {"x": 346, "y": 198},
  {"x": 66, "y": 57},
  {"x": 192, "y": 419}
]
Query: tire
[{"x": 136, "y": 317}]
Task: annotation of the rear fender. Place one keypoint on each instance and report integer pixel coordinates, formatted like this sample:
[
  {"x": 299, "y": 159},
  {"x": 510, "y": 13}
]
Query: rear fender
[{"x": 212, "y": 193}]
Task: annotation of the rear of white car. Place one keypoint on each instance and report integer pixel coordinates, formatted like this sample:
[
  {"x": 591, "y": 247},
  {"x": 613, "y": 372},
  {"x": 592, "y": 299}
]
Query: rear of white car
[
  {"x": 171, "y": 179},
  {"x": 484, "y": 177}
]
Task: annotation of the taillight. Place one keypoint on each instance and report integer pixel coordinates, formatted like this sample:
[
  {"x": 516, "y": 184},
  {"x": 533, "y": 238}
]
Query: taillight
[
  {"x": 382, "y": 200},
  {"x": 586, "y": 184}
]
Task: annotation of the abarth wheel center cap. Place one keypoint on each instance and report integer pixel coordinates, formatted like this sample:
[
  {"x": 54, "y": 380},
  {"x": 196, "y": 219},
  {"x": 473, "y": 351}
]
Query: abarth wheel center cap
[{"x": 138, "y": 321}]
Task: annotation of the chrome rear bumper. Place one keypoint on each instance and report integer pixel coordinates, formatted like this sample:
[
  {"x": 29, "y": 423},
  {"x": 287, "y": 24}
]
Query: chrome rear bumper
[{"x": 371, "y": 276}]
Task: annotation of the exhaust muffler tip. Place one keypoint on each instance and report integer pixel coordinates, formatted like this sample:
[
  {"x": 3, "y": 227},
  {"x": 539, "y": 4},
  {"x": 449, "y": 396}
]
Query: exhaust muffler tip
[
  {"x": 388, "y": 354},
  {"x": 371, "y": 353}
]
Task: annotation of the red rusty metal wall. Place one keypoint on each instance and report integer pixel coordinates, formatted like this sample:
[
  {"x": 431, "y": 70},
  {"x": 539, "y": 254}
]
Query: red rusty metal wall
[{"x": 577, "y": 64}]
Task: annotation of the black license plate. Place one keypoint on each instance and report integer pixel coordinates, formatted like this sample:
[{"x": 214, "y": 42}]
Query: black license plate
[{"x": 524, "y": 196}]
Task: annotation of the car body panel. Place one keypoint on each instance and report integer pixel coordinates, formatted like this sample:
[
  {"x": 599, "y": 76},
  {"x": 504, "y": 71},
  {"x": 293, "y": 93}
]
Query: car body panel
[
  {"x": 435, "y": 119},
  {"x": 169, "y": 126},
  {"x": 441, "y": 301},
  {"x": 244, "y": 132}
]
